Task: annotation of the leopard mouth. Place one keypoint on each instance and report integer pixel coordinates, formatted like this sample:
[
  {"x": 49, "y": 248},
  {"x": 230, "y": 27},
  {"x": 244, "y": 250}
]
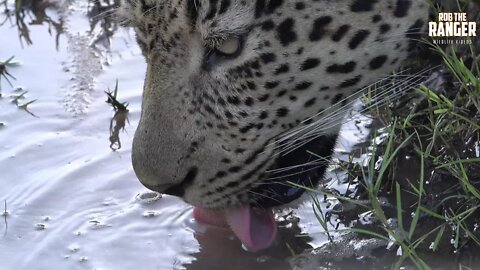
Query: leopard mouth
[
  {"x": 294, "y": 172},
  {"x": 254, "y": 223}
]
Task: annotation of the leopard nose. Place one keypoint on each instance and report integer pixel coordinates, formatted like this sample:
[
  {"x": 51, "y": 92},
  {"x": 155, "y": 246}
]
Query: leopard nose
[{"x": 176, "y": 189}]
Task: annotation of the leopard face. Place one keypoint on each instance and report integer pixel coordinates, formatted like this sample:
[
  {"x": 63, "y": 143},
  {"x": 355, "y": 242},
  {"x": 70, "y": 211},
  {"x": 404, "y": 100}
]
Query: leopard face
[{"x": 228, "y": 79}]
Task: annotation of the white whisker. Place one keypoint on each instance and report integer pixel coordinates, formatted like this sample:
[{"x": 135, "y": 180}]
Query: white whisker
[{"x": 305, "y": 134}]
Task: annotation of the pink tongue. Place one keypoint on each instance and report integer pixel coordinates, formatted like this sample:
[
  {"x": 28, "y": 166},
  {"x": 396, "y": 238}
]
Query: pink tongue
[{"x": 256, "y": 228}]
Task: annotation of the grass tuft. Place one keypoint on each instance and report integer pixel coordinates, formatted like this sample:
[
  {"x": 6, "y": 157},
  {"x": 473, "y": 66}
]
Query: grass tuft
[{"x": 421, "y": 178}]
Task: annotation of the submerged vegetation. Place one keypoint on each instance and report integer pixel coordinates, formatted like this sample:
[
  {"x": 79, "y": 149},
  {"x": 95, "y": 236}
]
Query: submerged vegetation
[
  {"x": 4, "y": 73},
  {"x": 19, "y": 93}
]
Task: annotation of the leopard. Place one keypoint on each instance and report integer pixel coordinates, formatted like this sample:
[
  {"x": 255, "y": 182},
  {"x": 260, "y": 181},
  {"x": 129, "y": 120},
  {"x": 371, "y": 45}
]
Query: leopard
[{"x": 243, "y": 100}]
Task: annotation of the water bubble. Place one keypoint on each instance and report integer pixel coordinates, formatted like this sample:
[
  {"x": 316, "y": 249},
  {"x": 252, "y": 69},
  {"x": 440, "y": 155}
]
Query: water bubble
[
  {"x": 19, "y": 89},
  {"x": 83, "y": 259},
  {"x": 262, "y": 259},
  {"x": 148, "y": 197},
  {"x": 399, "y": 251},
  {"x": 97, "y": 224},
  {"x": 378, "y": 163},
  {"x": 40, "y": 226},
  {"x": 46, "y": 218},
  {"x": 109, "y": 201},
  {"x": 73, "y": 248},
  {"x": 150, "y": 213}
]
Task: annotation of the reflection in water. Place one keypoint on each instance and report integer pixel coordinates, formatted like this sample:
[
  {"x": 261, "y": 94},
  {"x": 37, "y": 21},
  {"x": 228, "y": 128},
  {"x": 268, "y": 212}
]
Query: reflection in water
[
  {"x": 100, "y": 13},
  {"x": 5, "y": 74},
  {"x": 32, "y": 12},
  {"x": 120, "y": 117},
  {"x": 220, "y": 250}
]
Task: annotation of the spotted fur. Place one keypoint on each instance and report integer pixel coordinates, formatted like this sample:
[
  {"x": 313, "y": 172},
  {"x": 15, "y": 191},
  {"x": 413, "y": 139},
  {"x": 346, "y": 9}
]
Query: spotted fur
[{"x": 210, "y": 125}]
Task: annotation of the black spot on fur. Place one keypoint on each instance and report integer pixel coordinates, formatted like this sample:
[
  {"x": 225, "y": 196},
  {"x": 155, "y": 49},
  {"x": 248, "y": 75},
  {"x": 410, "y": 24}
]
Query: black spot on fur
[
  {"x": 359, "y": 37},
  {"x": 310, "y": 63},
  {"x": 384, "y": 28},
  {"x": 268, "y": 57},
  {"x": 310, "y": 102},
  {"x": 402, "y": 7},
  {"x": 282, "y": 112},
  {"x": 318, "y": 30},
  {"x": 363, "y": 5},
  {"x": 259, "y": 7},
  {"x": 300, "y": 6},
  {"x": 224, "y": 6},
  {"x": 268, "y": 25},
  {"x": 350, "y": 82},
  {"x": 303, "y": 86},
  {"x": 282, "y": 69},
  {"x": 376, "y": 18},
  {"x": 286, "y": 33},
  {"x": 273, "y": 5},
  {"x": 378, "y": 62},
  {"x": 340, "y": 33},
  {"x": 271, "y": 85},
  {"x": 342, "y": 68}
]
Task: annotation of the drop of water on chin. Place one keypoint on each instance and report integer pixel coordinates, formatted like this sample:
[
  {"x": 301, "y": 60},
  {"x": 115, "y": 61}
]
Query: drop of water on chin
[{"x": 245, "y": 247}]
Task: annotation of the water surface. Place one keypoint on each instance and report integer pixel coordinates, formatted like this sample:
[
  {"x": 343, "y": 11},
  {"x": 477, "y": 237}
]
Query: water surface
[{"x": 71, "y": 201}]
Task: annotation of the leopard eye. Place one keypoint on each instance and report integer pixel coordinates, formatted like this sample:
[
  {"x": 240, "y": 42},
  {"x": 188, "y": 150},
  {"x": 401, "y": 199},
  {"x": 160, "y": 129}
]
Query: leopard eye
[{"x": 230, "y": 47}]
